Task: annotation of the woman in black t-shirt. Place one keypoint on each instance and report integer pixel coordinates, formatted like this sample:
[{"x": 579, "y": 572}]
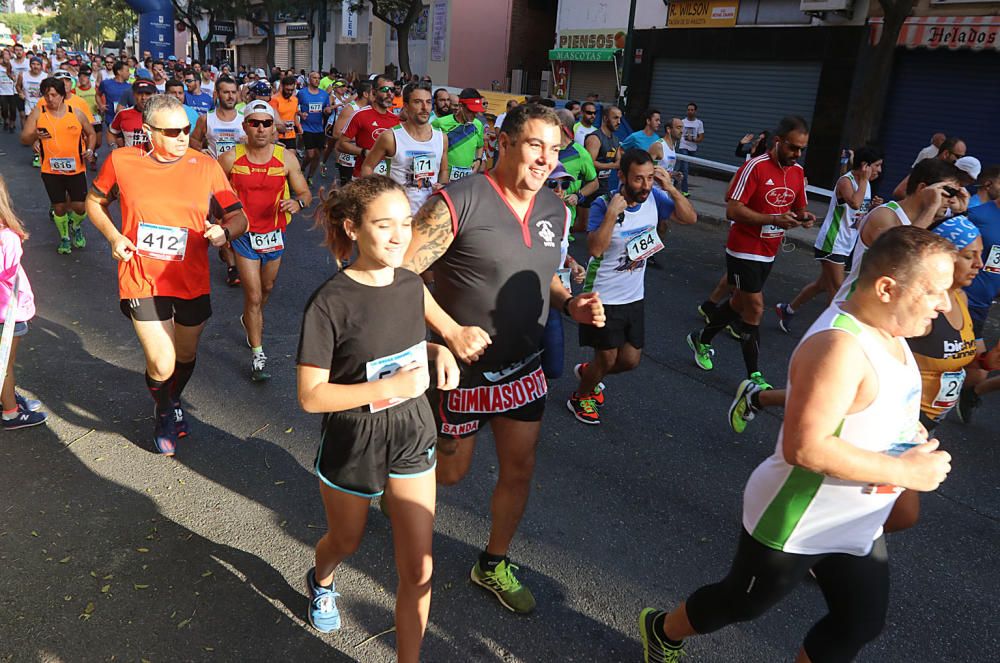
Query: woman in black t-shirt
[{"x": 363, "y": 363}]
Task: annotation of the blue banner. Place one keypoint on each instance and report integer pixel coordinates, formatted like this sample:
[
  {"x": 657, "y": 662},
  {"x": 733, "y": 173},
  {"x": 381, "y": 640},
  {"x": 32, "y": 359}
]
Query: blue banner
[{"x": 156, "y": 27}]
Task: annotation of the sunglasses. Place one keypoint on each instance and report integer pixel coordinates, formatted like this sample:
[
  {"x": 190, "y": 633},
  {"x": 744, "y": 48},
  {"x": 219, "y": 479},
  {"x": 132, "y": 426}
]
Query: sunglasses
[
  {"x": 385, "y": 88},
  {"x": 553, "y": 184},
  {"x": 173, "y": 133},
  {"x": 260, "y": 123}
]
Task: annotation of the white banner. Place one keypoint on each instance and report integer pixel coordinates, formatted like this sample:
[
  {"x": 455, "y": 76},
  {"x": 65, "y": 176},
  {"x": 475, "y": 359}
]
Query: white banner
[{"x": 350, "y": 23}]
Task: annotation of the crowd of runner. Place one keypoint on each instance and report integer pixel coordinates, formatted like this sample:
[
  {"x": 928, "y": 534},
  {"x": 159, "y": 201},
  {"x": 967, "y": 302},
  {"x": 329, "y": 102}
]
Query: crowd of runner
[{"x": 450, "y": 228}]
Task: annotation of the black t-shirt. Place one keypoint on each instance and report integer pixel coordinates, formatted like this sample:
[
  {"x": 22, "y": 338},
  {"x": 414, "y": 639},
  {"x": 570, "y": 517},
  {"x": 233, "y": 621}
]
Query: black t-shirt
[{"x": 347, "y": 324}]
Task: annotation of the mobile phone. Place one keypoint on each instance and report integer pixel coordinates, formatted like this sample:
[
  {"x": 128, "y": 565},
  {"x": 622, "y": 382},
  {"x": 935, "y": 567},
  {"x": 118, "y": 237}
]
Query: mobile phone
[{"x": 949, "y": 191}]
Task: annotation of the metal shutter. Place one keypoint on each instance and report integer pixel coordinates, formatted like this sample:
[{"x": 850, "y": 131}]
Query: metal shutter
[
  {"x": 301, "y": 54},
  {"x": 734, "y": 98},
  {"x": 586, "y": 78},
  {"x": 254, "y": 56},
  {"x": 969, "y": 110},
  {"x": 281, "y": 54}
]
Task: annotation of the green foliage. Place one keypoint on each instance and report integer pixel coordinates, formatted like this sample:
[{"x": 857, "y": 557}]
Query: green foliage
[
  {"x": 23, "y": 24},
  {"x": 86, "y": 23}
]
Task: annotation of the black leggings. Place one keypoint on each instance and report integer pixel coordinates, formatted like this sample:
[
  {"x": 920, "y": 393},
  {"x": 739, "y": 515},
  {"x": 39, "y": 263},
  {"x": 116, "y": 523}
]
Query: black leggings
[
  {"x": 856, "y": 590},
  {"x": 9, "y": 105}
]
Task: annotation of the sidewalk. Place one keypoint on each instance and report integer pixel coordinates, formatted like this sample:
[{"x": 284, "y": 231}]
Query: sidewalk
[{"x": 709, "y": 199}]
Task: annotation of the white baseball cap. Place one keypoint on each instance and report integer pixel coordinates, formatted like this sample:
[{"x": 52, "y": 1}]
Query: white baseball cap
[
  {"x": 970, "y": 165},
  {"x": 259, "y": 106}
]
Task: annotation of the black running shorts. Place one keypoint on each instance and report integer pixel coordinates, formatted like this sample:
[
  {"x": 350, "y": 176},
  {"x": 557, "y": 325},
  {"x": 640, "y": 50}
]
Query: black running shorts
[
  {"x": 313, "y": 141},
  {"x": 747, "y": 275},
  {"x": 186, "y": 312},
  {"x": 65, "y": 187},
  {"x": 625, "y": 323}
]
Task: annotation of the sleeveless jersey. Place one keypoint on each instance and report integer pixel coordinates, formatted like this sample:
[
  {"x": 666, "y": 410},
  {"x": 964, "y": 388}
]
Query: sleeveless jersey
[
  {"x": 223, "y": 135},
  {"x": 343, "y": 158},
  {"x": 860, "y": 249},
  {"x": 794, "y": 510},
  {"x": 942, "y": 356},
  {"x": 261, "y": 187},
  {"x": 669, "y": 160},
  {"x": 497, "y": 272},
  {"x": 89, "y": 96},
  {"x": 22, "y": 67},
  {"x": 61, "y": 150},
  {"x": 7, "y": 83},
  {"x": 417, "y": 164},
  {"x": 839, "y": 231},
  {"x": 32, "y": 89},
  {"x": 605, "y": 154}
]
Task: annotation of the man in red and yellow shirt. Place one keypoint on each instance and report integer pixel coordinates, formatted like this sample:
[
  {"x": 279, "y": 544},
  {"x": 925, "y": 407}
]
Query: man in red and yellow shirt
[
  {"x": 162, "y": 248},
  {"x": 286, "y": 104}
]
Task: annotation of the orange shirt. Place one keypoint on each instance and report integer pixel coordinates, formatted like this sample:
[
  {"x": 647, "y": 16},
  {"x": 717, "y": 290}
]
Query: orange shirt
[
  {"x": 287, "y": 110},
  {"x": 60, "y": 138},
  {"x": 164, "y": 207}
]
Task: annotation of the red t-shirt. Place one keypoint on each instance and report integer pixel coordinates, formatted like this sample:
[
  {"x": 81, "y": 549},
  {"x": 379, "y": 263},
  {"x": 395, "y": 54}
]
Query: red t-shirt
[
  {"x": 128, "y": 124},
  {"x": 767, "y": 188},
  {"x": 365, "y": 127},
  {"x": 164, "y": 207}
]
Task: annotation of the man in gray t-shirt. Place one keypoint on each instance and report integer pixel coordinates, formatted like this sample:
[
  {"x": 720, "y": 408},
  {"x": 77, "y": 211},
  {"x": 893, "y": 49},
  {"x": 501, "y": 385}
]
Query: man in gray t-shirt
[{"x": 693, "y": 133}]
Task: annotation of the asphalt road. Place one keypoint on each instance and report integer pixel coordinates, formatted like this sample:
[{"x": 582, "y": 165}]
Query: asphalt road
[{"x": 110, "y": 552}]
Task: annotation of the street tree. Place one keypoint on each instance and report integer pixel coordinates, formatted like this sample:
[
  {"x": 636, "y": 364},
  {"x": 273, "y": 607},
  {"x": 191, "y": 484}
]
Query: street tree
[
  {"x": 401, "y": 15},
  {"x": 192, "y": 13}
]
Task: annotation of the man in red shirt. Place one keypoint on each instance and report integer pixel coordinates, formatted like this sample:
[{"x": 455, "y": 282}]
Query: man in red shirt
[
  {"x": 767, "y": 196},
  {"x": 367, "y": 124},
  {"x": 126, "y": 128}
]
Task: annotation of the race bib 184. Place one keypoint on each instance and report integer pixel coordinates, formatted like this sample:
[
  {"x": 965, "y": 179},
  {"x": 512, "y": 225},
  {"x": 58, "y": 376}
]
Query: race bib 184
[{"x": 643, "y": 245}]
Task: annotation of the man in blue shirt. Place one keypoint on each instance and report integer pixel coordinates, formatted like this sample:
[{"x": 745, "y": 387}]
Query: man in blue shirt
[
  {"x": 202, "y": 102},
  {"x": 314, "y": 106},
  {"x": 647, "y": 135},
  {"x": 175, "y": 88},
  {"x": 110, "y": 90}
]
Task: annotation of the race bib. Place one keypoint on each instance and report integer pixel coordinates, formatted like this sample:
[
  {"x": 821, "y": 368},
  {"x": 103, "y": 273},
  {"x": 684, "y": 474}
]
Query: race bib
[
  {"x": 992, "y": 262},
  {"x": 380, "y": 369},
  {"x": 345, "y": 159},
  {"x": 951, "y": 387},
  {"x": 267, "y": 242},
  {"x": 457, "y": 173},
  {"x": 771, "y": 231},
  {"x": 64, "y": 165},
  {"x": 643, "y": 245},
  {"x": 564, "y": 273},
  {"x": 315, "y": 108},
  {"x": 423, "y": 169},
  {"x": 223, "y": 147},
  {"x": 161, "y": 242},
  {"x": 382, "y": 167}
]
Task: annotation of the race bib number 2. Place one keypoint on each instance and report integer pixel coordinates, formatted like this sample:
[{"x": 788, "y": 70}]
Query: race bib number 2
[
  {"x": 161, "y": 242},
  {"x": 992, "y": 262},
  {"x": 951, "y": 387}
]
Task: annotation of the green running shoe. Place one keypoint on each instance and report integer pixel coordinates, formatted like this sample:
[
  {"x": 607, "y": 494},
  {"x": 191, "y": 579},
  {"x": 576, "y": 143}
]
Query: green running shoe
[
  {"x": 703, "y": 352},
  {"x": 508, "y": 589},
  {"x": 654, "y": 649},
  {"x": 79, "y": 241},
  {"x": 37, "y": 161},
  {"x": 258, "y": 369},
  {"x": 742, "y": 411},
  {"x": 65, "y": 247},
  {"x": 759, "y": 380}
]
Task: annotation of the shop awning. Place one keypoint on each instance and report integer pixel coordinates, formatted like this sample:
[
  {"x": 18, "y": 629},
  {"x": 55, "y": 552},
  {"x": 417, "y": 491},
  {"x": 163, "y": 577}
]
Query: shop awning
[
  {"x": 246, "y": 41},
  {"x": 953, "y": 32},
  {"x": 582, "y": 54}
]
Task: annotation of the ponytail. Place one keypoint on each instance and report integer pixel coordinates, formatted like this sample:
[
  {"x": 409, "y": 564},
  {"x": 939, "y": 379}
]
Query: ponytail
[{"x": 349, "y": 203}]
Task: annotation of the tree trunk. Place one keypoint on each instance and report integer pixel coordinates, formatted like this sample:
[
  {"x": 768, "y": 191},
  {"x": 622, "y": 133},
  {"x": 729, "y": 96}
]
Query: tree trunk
[
  {"x": 865, "y": 114},
  {"x": 403, "y": 48},
  {"x": 270, "y": 38}
]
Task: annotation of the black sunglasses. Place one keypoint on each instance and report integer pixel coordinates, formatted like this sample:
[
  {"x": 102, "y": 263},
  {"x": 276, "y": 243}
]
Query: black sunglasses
[
  {"x": 173, "y": 133},
  {"x": 260, "y": 123},
  {"x": 188, "y": 81}
]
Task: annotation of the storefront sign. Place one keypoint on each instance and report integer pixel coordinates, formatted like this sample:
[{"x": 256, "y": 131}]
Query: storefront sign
[
  {"x": 350, "y": 23},
  {"x": 703, "y": 13},
  {"x": 560, "y": 79},
  {"x": 592, "y": 39},
  {"x": 439, "y": 31},
  {"x": 582, "y": 54},
  {"x": 953, "y": 32}
]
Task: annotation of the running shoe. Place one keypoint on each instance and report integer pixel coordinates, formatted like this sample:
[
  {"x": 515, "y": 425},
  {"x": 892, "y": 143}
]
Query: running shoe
[
  {"x": 24, "y": 419},
  {"x": 584, "y": 408},
  {"x": 686, "y": 194},
  {"x": 505, "y": 586},
  {"x": 180, "y": 423},
  {"x": 322, "y": 170},
  {"x": 323, "y": 613},
  {"x": 741, "y": 410},
  {"x": 29, "y": 404},
  {"x": 232, "y": 277},
  {"x": 165, "y": 435},
  {"x": 65, "y": 247},
  {"x": 257, "y": 369},
  {"x": 968, "y": 401},
  {"x": 37, "y": 161},
  {"x": 79, "y": 241},
  {"x": 784, "y": 317},
  {"x": 703, "y": 352},
  {"x": 598, "y": 395},
  {"x": 759, "y": 380},
  {"x": 654, "y": 649},
  {"x": 245, "y": 332}
]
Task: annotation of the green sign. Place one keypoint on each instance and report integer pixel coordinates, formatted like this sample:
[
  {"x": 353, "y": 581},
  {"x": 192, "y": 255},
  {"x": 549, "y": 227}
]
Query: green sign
[{"x": 582, "y": 54}]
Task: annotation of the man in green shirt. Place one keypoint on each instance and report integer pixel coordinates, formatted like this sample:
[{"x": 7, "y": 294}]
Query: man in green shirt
[
  {"x": 578, "y": 163},
  {"x": 327, "y": 80},
  {"x": 465, "y": 135}
]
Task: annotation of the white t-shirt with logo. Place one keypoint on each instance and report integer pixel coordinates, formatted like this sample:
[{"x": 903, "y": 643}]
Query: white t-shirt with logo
[{"x": 692, "y": 129}]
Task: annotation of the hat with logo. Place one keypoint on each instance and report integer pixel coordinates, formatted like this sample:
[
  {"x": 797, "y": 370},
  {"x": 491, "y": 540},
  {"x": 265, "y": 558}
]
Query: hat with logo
[
  {"x": 970, "y": 166},
  {"x": 143, "y": 86},
  {"x": 64, "y": 75},
  {"x": 259, "y": 106},
  {"x": 471, "y": 99},
  {"x": 261, "y": 89}
]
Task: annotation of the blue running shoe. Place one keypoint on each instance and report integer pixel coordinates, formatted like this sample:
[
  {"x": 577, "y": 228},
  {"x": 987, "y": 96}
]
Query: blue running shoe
[
  {"x": 29, "y": 404},
  {"x": 180, "y": 423},
  {"x": 323, "y": 613},
  {"x": 165, "y": 435},
  {"x": 24, "y": 419}
]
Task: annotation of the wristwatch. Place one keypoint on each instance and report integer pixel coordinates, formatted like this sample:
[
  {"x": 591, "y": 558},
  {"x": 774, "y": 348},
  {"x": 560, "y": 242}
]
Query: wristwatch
[
  {"x": 565, "y": 306},
  {"x": 302, "y": 205}
]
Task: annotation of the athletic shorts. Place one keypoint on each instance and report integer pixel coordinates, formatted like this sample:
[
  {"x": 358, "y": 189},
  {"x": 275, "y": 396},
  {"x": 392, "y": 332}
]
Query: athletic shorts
[
  {"x": 20, "y": 328},
  {"x": 346, "y": 174},
  {"x": 61, "y": 187},
  {"x": 625, "y": 323},
  {"x": 361, "y": 450},
  {"x": 244, "y": 249},
  {"x": 516, "y": 392},
  {"x": 97, "y": 127},
  {"x": 313, "y": 141},
  {"x": 747, "y": 275},
  {"x": 979, "y": 314},
  {"x": 289, "y": 143},
  {"x": 187, "y": 312},
  {"x": 829, "y": 256}
]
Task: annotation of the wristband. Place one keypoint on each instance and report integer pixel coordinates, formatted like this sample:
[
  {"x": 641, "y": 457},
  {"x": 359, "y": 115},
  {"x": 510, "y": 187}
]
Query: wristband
[{"x": 565, "y": 306}]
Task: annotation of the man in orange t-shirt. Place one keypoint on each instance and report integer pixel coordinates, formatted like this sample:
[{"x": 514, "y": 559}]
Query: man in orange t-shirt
[
  {"x": 286, "y": 104},
  {"x": 162, "y": 249}
]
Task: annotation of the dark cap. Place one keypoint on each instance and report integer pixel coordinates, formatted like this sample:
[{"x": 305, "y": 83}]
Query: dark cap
[
  {"x": 471, "y": 99},
  {"x": 143, "y": 86}
]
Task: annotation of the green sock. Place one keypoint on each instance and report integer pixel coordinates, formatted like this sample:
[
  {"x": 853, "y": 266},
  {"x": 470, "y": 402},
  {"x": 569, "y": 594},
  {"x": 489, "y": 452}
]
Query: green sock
[
  {"x": 76, "y": 220},
  {"x": 62, "y": 225}
]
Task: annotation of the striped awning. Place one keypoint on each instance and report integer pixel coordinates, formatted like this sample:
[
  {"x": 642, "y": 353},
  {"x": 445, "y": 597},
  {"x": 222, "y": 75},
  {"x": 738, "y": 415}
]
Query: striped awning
[{"x": 953, "y": 32}]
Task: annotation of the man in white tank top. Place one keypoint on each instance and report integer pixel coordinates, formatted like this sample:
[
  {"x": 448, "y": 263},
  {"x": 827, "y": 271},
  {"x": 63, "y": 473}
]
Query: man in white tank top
[
  {"x": 418, "y": 153},
  {"x": 220, "y": 130},
  {"x": 851, "y": 439}
]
